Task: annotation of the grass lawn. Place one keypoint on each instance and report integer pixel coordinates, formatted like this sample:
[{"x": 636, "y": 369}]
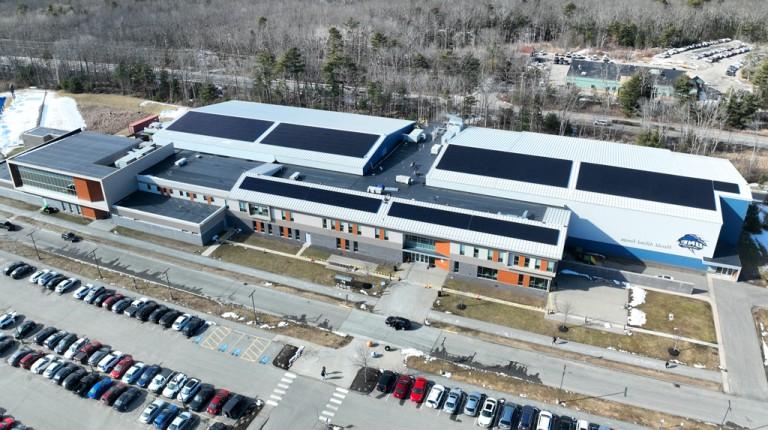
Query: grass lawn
[
  {"x": 532, "y": 321},
  {"x": 116, "y": 101},
  {"x": 510, "y": 294},
  {"x": 316, "y": 253},
  {"x": 280, "y": 245},
  {"x": 19, "y": 204},
  {"x": 692, "y": 318},
  {"x": 72, "y": 218},
  {"x": 158, "y": 240}
]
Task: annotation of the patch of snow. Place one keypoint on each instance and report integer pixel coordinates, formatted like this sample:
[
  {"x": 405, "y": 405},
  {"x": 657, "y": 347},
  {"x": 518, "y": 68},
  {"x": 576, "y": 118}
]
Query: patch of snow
[
  {"x": 172, "y": 114},
  {"x": 699, "y": 366},
  {"x": 232, "y": 315},
  {"x": 411, "y": 352},
  {"x": 636, "y": 318},
  {"x": 61, "y": 112},
  {"x": 575, "y": 273},
  {"x": 19, "y": 116},
  {"x": 637, "y": 295},
  {"x": 282, "y": 324},
  {"x": 266, "y": 327}
]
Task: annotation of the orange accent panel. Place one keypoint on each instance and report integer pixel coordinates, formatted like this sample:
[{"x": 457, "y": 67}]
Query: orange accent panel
[
  {"x": 209, "y": 199},
  {"x": 443, "y": 248},
  {"x": 526, "y": 280},
  {"x": 442, "y": 263},
  {"x": 495, "y": 255},
  {"x": 283, "y": 231},
  {"x": 354, "y": 229},
  {"x": 544, "y": 265},
  {"x": 88, "y": 190},
  {"x": 521, "y": 261},
  {"x": 257, "y": 226},
  {"x": 92, "y": 213},
  {"x": 287, "y": 215},
  {"x": 507, "y": 277},
  {"x": 337, "y": 226},
  {"x": 343, "y": 244}
]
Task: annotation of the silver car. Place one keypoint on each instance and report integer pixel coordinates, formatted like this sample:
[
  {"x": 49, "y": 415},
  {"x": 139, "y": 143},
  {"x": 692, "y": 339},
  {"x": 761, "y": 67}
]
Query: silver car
[
  {"x": 472, "y": 407},
  {"x": 453, "y": 401}
]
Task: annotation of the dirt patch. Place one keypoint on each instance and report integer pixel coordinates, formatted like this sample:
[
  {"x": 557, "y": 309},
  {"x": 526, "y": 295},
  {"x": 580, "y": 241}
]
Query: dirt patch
[
  {"x": 158, "y": 240},
  {"x": 71, "y": 218},
  {"x": 510, "y": 294},
  {"x": 365, "y": 380},
  {"x": 18, "y": 204},
  {"x": 597, "y": 406},
  {"x": 202, "y": 304},
  {"x": 532, "y": 321},
  {"x": 692, "y": 318},
  {"x": 111, "y": 113}
]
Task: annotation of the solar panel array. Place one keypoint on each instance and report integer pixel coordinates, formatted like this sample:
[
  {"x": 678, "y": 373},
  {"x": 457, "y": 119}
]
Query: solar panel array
[
  {"x": 644, "y": 185},
  {"x": 507, "y": 165},
  {"x": 340, "y": 142},
  {"x": 726, "y": 187},
  {"x": 221, "y": 126},
  {"x": 316, "y": 195},
  {"x": 479, "y": 224}
]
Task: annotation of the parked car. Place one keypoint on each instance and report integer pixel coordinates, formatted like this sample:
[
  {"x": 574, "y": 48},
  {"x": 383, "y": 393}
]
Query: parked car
[
  {"x": 54, "y": 339},
  {"x": 50, "y": 210},
  {"x": 565, "y": 422},
  {"x": 114, "y": 391},
  {"x": 148, "y": 375},
  {"x": 73, "y": 380},
  {"x": 98, "y": 355},
  {"x": 16, "y": 357},
  {"x": 150, "y": 412},
  {"x": 133, "y": 374},
  {"x": 189, "y": 390},
  {"x": 235, "y": 407},
  {"x": 125, "y": 399},
  {"x": 67, "y": 285},
  {"x": 453, "y": 401},
  {"x": 22, "y": 271},
  {"x": 488, "y": 412},
  {"x": 100, "y": 387},
  {"x": 8, "y": 422},
  {"x": 509, "y": 416},
  {"x": 111, "y": 300},
  {"x": 218, "y": 401},
  {"x": 398, "y": 323},
  {"x": 63, "y": 372},
  {"x": 121, "y": 305},
  {"x": 43, "y": 334},
  {"x": 54, "y": 366},
  {"x": 122, "y": 366},
  {"x": 11, "y": 267},
  {"x": 182, "y": 422},
  {"x": 93, "y": 293},
  {"x": 146, "y": 310},
  {"x": 65, "y": 342},
  {"x": 175, "y": 385},
  {"x": 82, "y": 291},
  {"x": 28, "y": 360},
  {"x": 70, "y": 237},
  {"x": 86, "y": 383},
  {"x": 218, "y": 425},
  {"x": 52, "y": 282},
  {"x": 166, "y": 416},
  {"x": 169, "y": 318},
  {"x": 86, "y": 351},
  {"x": 24, "y": 329},
  {"x": 6, "y": 342},
  {"x": 8, "y": 319},
  {"x": 193, "y": 326},
  {"x": 202, "y": 397},
  {"x": 37, "y": 275},
  {"x": 160, "y": 380},
  {"x": 386, "y": 381},
  {"x": 41, "y": 363},
  {"x": 101, "y": 298},
  {"x": 472, "y": 406},
  {"x": 45, "y": 277},
  {"x": 158, "y": 313},
  {"x": 528, "y": 418},
  {"x": 75, "y": 347},
  {"x": 403, "y": 386},
  {"x": 181, "y": 321},
  {"x": 131, "y": 310},
  {"x": 419, "y": 389},
  {"x": 110, "y": 360},
  {"x": 435, "y": 397},
  {"x": 582, "y": 425}
]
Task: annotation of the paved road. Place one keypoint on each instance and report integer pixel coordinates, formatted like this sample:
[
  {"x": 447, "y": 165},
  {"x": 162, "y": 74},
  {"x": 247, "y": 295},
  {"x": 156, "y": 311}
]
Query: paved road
[{"x": 743, "y": 357}]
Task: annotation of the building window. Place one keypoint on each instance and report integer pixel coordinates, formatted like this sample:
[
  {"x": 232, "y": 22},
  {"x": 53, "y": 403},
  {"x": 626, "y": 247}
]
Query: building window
[
  {"x": 418, "y": 242},
  {"x": 382, "y": 234},
  {"x": 325, "y": 223},
  {"x": 486, "y": 273},
  {"x": 357, "y": 229},
  {"x": 475, "y": 252},
  {"x": 537, "y": 264},
  {"x": 349, "y": 227},
  {"x": 243, "y": 207},
  {"x": 346, "y": 245},
  {"x": 520, "y": 279},
  {"x": 257, "y": 210},
  {"x": 461, "y": 249},
  {"x": 455, "y": 267},
  {"x": 286, "y": 215},
  {"x": 527, "y": 262},
  {"x": 538, "y": 283},
  {"x": 489, "y": 255},
  {"x": 297, "y": 234},
  {"x": 516, "y": 260},
  {"x": 354, "y": 246},
  {"x": 269, "y": 228},
  {"x": 181, "y": 193},
  {"x": 338, "y": 243},
  {"x": 47, "y": 180}
]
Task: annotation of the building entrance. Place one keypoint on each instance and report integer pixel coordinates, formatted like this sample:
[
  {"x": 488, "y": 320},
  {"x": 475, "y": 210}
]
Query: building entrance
[{"x": 415, "y": 257}]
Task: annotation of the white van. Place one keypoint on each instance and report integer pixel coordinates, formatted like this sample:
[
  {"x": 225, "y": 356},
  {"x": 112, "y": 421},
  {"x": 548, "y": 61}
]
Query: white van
[{"x": 545, "y": 421}]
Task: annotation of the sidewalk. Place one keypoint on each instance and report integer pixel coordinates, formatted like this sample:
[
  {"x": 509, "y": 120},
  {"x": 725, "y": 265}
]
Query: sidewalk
[{"x": 579, "y": 348}]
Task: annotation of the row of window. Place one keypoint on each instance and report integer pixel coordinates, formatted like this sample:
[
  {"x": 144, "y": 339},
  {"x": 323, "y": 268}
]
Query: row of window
[
  {"x": 343, "y": 226},
  {"x": 47, "y": 180},
  {"x": 253, "y": 209},
  {"x": 344, "y": 244},
  {"x": 170, "y": 192},
  {"x": 285, "y": 232},
  {"x": 488, "y": 273}
]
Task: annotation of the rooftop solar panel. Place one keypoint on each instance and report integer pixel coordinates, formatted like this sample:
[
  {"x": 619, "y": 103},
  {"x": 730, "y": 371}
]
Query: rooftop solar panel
[
  {"x": 316, "y": 195},
  {"x": 348, "y": 143},
  {"x": 479, "y": 224},
  {"x": 644, "y": 185},
  {"x": 507, "y": 165},
  {"x": 221, "y": 126},
  {"x": 726, "y": 187}
]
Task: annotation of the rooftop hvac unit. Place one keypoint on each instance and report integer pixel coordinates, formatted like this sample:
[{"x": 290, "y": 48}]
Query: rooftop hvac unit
[
  {"x": 295, "y": 176},
  {"x": 180, "y": 162},
  {"x": 375, "y": 189},
  {"x": 391, "y": 189}
]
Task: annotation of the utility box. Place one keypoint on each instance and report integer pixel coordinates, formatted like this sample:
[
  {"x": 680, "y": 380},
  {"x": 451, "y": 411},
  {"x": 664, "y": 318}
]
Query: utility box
[{"x": 404, "y": 179}]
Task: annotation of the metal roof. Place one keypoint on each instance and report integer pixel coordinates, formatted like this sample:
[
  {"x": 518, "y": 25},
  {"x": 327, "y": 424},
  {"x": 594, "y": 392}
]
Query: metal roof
[
  {"x": 616, "y": 71},
  {"x": 588, "y": 151},
  {"x": 156, "y": 204},
  {"x": 84, "y": 153},
  {"x": 45, "y": 131},
  {"x": 204, "y": 170}
]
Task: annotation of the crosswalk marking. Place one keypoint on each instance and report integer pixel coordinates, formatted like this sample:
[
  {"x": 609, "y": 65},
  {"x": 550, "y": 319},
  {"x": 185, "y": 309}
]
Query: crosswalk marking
[
  {"x": 330, "y": 414},
  {"x": 334, "y": 403},
  {"x": 329, "y": 406},
  {"x": 283, "y": 386},
  {"x": 278, "y": 398},
  {"x": 271, "y": 403},
  {"x": 339, "y": 395}
]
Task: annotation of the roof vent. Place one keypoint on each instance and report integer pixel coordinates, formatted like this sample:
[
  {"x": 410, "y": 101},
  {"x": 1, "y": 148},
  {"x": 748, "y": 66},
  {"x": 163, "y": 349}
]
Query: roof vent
[{"x": 180, "y": 162}]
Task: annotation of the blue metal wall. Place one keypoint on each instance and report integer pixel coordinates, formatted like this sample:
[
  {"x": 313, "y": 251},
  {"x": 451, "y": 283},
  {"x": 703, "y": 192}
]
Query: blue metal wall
[
  {"x": 389, "y": 143},
  {"x": 734, "y": 211},
  {"x": 616, "y": 250}
]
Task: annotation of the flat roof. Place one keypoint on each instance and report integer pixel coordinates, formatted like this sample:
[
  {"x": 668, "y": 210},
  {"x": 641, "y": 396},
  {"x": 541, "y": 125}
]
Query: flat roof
[
  {"x": 615, "y": 71},
  {"x": 83, "y": 153},
  {"x": 170, "y": 207},
  {"x": 5, "y": 174},
  {"x": 45, "y": 131},
  {"x": 204, "y": 170}
]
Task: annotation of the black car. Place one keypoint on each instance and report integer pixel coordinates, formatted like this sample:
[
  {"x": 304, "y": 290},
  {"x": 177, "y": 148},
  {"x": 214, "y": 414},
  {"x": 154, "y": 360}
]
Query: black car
[
  {"x": 7, "y": 225},
  {"x": 86, "y": 383},
  {"x": 43, "y": 334},
  {"x": 169, "y": 317},
  {"x": 25, "y": 329},
  {"x": 50, "y": 210},
  {"x": 158, "y": 313},
  {"x": 52, "y": 340},
  {"x": 51, "y": 283},
  {"x": 73, "y": 380},
  {"x": 193, "y": 326},
  {"x": 70, "y": 237},
  {"x": 146, "y": 310},
  {"x": 13, "y": 266},
  {"x": 386, "y": 381},
  {"x": 16, "y": 357},
  {"x": 203, "y": 396},
  {"x": 119, "y": 306},
  {"x": 398, "y": 323},
  {"x": 146, "y": 376},
  {"x": 235, "y": 406},
  {"x": 23, "y": 271},
  {"x": 65, "y": 371},
  {"x": 565, "y": 423},
  {"x": 124, "y": 401},
  {"x": 64, "y": 343},
  {"x": 6, "y": 344},
  {"x": 131, "y": 310},
  {"x": 103, "y": 296}
]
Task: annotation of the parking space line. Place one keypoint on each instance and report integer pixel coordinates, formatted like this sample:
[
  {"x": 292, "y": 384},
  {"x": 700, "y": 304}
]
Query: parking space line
[
  {"x": 339, "y": 395},
  {"x": 214, "y": 339},
  {"x": 257, "y": 346},
  {"x": 335, "y": 401},
  {"x": 329, "y": 406},
  {"x": 278, "y": 391}
]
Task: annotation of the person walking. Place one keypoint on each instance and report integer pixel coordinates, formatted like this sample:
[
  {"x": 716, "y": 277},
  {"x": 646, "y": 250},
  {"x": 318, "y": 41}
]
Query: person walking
[
  {"x": 666, "y": 364},
  {"x": 554, "y": 340},
  {"x": 322, "y": 373},
  {"x": 13, "y": 91}
]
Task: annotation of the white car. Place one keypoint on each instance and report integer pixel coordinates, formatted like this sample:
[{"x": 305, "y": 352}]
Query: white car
[
  {"x": 108, "y": 362},
  {"x": 545, "y": 420},
  {"x": 159, "y": 382},
  {"x": 36, "y": 276},
  {"x": 47, "y": 277},
  {"x": 72, "y": 350},
  {"x": 41, "y": 363},
  {"x": 53, "y": 367},
  {"x": 173, "y": 388},
  {"x": 66, "y": 285},
  {"x": 582, "y": 425},
  {"x": 181, "y": 422},
  {"x": 189, "y": 390},
  {"x": 435, "y": 397},
  {"x": 82, "y": 291},
  {"x": 8, "y": 319},
  {"x": 181, "y": 321},
  {"x": 151, "y": 411},
  {"x": 488, "y": 412},
  {"x": 130, "y": 375}
]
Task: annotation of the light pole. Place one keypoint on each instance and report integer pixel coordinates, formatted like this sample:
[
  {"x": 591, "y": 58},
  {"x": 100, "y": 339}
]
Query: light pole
[
  {"x": 562, "y": 378},
  {"x": 31, "y": 235},
  {"x": 727, "y": 411},
  {"x": 92, "y": 254},
  {"x": 168, "y": 283},
  {"x": 253, "y": 304}
]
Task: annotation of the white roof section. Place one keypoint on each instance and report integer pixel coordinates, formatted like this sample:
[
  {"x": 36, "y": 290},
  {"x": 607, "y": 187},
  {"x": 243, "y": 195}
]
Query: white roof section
[
  {"x": 590, "y": 151},
  {"x": 258, "y": 151},
  {"x": 558, "y": 219}
]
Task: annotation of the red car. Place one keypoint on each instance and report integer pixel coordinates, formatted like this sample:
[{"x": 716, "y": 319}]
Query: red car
[
  {"x": 111, "y": 301},
  {"x": 217, "y": 402},
  {"x": 30, "y": 359},
  {"x": 419, "y": 390},
  {"x": 109, "y": 396},
  {"x": 7, "y": 423},
  {"x": 403, "y": 386},
  {"x": 121, "y": 367}
]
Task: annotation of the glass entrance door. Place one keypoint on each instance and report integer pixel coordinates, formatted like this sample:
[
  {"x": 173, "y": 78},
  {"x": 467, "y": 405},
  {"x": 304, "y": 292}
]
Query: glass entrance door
[{"x": 415, "y": 257}]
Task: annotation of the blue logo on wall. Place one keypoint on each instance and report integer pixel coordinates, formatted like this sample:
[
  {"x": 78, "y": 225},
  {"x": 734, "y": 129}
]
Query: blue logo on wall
[{"x": 693, "y": 242}]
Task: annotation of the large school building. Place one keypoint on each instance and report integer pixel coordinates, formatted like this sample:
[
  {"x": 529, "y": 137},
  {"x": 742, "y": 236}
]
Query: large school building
[{"x": 489, "y": 204}]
